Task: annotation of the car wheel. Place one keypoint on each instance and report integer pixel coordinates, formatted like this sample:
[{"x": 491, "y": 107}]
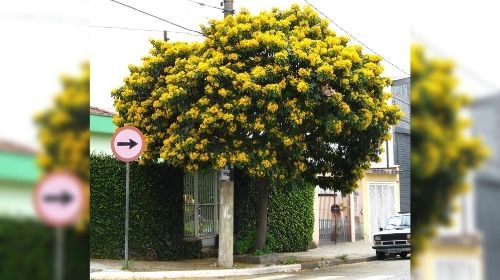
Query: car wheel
[
  {"x": 380, "y": 255},
  {"x": 404, "y": 255}
]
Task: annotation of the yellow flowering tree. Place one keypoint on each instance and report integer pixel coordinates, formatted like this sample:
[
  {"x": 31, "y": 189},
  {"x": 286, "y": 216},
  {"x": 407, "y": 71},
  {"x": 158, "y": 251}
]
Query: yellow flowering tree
[
  {"x": 278, "y": 94},
  {"x": 64, "y": 131},
  {"x": 441, "y": 153}
]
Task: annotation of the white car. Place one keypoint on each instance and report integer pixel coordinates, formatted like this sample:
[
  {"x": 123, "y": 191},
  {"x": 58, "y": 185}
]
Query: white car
[{"x": 394, "y": 238}]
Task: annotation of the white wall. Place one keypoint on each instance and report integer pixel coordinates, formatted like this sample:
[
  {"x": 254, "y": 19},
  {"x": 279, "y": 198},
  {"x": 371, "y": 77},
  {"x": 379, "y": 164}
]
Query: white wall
[
  {"x": 16, "y": 199},
  {"x": 100, "y": 143}
]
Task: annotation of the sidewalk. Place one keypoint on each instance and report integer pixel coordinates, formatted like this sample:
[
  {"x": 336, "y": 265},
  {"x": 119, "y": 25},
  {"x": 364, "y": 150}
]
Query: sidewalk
[
  {"x": 353, "y": 250},
  {"x": 203, "y": 268},
  {"x": 325, "y": 255},
  {"x": 330, "y": 254}
]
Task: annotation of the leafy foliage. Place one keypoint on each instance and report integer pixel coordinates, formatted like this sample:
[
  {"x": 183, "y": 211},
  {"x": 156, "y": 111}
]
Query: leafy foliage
[
  {"x": 64, "y": 128},
  {"x": 64, "y": 131},
  {"x": 290, "y": 219},
  {"x": 278, "y": 94},
  {"x": 27, "y": 251},
  {"x": 441, "y": 153},
  {"x": 156, "y": 229}
]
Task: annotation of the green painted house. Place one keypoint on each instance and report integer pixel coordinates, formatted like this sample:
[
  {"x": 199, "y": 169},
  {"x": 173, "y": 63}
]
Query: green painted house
[
  {"x": 101, "y": 130},
  {"x": 19, "y": 171},
  {"x": 18, "y": 176}
]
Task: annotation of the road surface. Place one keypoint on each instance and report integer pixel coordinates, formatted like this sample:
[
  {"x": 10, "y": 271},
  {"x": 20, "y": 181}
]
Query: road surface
[{"x": 391, "y": 269}]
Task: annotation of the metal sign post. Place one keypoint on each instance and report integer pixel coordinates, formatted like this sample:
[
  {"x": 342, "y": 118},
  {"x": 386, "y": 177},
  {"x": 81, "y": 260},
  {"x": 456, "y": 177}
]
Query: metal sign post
[
  {"x": 127, "y": 145},
  {"x": 59, "y": 253},
  {"x": 127, "y": 167}
]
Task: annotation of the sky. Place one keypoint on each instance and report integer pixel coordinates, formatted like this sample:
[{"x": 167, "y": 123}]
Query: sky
[
  {"x": 42, "y": 39},
  {"x": 112, "y": 50},
  {"x": 465, "y": 31}
]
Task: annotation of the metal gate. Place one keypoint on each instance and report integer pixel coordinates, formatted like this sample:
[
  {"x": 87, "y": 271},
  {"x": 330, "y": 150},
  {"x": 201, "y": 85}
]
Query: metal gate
[
  {"x": 201, "y": 204},
  {"x": 334, "y": 227},
  {"x": 382, "y": 205}
]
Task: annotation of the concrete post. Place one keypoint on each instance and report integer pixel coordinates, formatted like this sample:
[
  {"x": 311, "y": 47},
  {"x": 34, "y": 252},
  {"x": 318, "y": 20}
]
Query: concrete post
[
  {"x": 352, "y": 218},
  {"x": 228, "y": 8},
  {"x": 315, "y": 237},
  {"x": 226, "y": 221}
]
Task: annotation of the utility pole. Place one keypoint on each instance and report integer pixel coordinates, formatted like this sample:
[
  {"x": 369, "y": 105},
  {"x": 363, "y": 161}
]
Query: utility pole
[
  {"x": 226, "y": 199},
  {"x": 165, "y": 37},
  {"x": 228, "y": 8}
]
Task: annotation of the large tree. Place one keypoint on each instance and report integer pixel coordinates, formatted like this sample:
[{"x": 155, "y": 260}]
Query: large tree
[
  {"x": 441, "y": 152},
  {"x": 277, "y": 94},
  {"x": 64, "y": 131}
]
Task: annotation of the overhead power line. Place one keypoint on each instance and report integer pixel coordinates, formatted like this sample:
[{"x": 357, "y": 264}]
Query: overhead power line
[
  {"x": 400, "y": 100},
  {"x": 210, "y": 6},
  {"x": 142, "y": 29},
  {"x": 352, "y": 36},
  {"x": 157, "y": 17}
]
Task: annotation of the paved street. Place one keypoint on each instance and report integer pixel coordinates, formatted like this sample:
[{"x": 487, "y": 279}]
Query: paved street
[{"x": 391, "y": 269}]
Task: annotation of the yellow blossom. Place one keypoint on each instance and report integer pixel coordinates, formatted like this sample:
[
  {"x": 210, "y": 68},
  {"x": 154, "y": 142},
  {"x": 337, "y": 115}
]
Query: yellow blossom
[
  {"x": 287, "y": 141},
  {"x": 302, "y": 87},
  {"x": 272, "y": 107},
  {"x": 244, "y": 101},
  {"x": 223, "y": 92}
]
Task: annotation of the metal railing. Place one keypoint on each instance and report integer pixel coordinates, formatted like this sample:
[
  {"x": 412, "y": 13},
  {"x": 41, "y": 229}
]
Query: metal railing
[{"x": 200, "y": 204}]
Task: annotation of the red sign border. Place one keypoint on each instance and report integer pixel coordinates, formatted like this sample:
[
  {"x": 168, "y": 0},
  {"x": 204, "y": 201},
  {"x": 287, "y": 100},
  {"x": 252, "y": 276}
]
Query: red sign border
[
  {"x": 143, "y": 144},
  {"x": 46, "y": 219}
]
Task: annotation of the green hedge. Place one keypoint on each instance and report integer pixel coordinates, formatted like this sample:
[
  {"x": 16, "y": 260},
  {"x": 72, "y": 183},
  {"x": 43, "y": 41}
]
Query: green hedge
[
  {"x": 290, "y": 215},
  {"x": 27, "y": 251},
  {"x": 156, "y": 211}
]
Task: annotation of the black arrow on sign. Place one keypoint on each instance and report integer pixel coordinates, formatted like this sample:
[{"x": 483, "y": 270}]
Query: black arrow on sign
[
  {"x": 130, "y": 144},
  {"x": 64, "y": 198}
]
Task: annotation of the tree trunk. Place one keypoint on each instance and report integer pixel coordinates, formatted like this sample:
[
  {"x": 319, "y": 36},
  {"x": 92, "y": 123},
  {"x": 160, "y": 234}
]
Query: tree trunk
[{"x": 263, "y": 187}]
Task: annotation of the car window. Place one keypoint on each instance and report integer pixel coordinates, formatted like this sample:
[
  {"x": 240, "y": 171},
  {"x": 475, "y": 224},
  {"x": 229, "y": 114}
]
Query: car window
[
  {"x": 398, "y": 222},
  {"x": 405, "y": 221},
  {"x": 393, "y": 223}
]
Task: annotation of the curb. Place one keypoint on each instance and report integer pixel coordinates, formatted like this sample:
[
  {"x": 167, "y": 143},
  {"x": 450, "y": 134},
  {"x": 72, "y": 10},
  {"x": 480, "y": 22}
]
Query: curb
[
  {"x": 126, "y": 275},
  {"x": 333, "y": 262}
]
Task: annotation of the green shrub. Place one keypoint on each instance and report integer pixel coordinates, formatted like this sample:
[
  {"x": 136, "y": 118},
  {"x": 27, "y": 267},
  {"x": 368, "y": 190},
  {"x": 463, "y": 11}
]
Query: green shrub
[
  {"x": 245, "y": 244},
  {"x": 290, "y": 215},
  {"x": 343, "y": 257},
  {"x": 291, "y": 260},
  {"x": 27, "y": 251},
  {"x": 156, "y": 225}
]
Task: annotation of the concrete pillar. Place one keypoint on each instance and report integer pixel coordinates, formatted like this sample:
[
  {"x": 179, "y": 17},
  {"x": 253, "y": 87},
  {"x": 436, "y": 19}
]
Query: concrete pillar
[
  {"x": 226, "y": 221},
  {"x": 315, "y": 237},
  {"x": 351, "y": 217}
]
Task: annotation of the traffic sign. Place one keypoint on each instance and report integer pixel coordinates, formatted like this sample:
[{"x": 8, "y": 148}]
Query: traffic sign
[
  {"x": 127, "y": 143},
  {"x": 59, "y": 199}
]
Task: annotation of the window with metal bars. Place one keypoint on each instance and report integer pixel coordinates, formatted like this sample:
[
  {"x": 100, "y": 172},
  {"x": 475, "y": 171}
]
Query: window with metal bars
[{"x": 201, "y": 204}]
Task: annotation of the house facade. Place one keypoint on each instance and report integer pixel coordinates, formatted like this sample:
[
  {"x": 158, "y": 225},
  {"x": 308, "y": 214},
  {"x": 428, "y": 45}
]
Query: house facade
[
  {"x": 402, "y": 143},
  {"x": 384, "y": 189},
  {"x": 18, "y": 175},
  {"x": 468, "y": 249},
  {"x": 101, "y": 131},
  {"x": 486, "y": 115}
]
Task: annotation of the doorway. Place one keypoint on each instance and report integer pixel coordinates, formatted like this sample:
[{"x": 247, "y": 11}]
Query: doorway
[{"x": 382, "y": 205}]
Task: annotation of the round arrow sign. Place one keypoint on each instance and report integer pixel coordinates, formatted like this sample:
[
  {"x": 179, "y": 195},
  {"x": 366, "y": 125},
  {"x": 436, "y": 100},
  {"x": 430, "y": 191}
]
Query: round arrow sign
[
  {"x": 59, "y": 199},
  {"x": 127, "y": 143}
]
